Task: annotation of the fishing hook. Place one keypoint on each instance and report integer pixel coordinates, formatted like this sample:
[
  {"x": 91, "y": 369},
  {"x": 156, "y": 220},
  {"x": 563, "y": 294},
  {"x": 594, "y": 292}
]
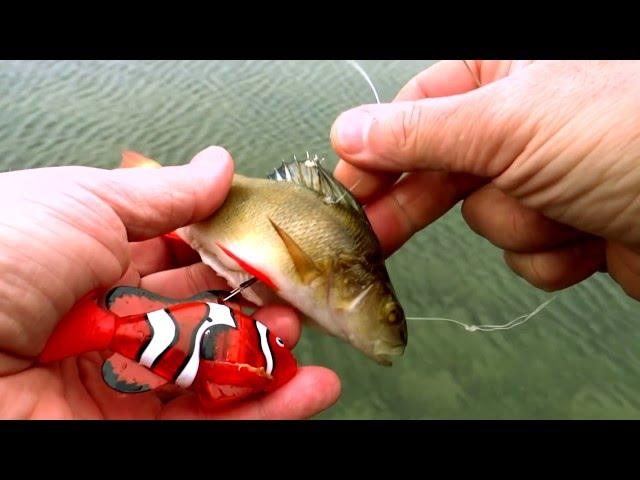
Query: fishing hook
[
  {"x": 241, "y": 287},
  {"x": 473, "y": 73}
]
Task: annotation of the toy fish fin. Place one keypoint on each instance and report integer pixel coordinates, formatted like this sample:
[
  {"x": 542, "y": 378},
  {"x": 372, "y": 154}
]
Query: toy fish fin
[
  {"x": 131, "y": 159},
  {"x": 125, "y": 300},
  {"x": 307, "y": 270},
  {"x": 87, "y": 327},
  {"x": 127, "y": 376}
]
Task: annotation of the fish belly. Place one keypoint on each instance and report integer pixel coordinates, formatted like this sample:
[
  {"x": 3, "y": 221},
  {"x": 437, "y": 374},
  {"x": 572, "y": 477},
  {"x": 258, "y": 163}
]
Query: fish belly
[
  {"x": 206, "y": 244},
  {"x": 311, "y": 303}
]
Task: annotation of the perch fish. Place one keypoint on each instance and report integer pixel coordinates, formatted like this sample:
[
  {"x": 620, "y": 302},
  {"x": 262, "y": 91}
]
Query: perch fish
[{"x": 309, "y": 242}]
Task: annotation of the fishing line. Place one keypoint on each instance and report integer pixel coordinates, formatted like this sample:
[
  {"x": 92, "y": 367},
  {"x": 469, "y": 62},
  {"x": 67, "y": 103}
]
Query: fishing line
[
  {"x": 473, "y": 73},
  {"x": 357, "y": 66},
  {"x": 489, "y": 328}
]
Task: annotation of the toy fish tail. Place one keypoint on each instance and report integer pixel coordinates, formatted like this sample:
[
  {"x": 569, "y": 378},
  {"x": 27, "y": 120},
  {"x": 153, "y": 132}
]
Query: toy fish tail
[{"x": 85, "y": 328}]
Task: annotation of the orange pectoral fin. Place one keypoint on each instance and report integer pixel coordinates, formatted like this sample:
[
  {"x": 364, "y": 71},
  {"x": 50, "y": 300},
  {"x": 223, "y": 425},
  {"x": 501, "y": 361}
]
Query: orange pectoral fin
[
  {"x": 131, "y": 159},
  {"x": 251, "y": 270},
  {"x": 181, "y": 252}
]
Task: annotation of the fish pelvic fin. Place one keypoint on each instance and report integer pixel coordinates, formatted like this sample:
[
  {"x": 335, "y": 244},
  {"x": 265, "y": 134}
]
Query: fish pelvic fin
[
  {"x": 131, "y": 159},
  {"x": 310, "y": 174},
  {"x": 305, "y": 266}
]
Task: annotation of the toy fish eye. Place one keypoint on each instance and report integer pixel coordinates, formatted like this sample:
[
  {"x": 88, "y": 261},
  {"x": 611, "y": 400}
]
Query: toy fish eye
[{"x": 280, "y": 342}]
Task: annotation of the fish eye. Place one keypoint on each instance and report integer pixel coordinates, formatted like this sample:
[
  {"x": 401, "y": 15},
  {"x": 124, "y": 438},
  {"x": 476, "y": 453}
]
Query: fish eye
[
  {"x": 393, "y": 314},
  {"x": 280, "y": 342}
]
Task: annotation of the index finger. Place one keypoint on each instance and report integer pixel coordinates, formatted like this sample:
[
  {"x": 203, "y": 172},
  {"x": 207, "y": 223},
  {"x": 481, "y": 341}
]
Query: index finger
[
  {"x": 161, "y": 253},
  {"x": 414, "y": 202},
  {"x": 449, "y": 77}
]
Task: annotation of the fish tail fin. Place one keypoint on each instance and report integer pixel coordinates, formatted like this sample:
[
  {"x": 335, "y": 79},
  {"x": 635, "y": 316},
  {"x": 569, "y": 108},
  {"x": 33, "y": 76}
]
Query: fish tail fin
[
  {"x": 131, "y": 159},
  {"x": 85, "y": 328}
]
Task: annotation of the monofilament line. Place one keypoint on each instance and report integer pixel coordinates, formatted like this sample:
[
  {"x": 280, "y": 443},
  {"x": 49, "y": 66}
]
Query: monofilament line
[
  {"x": 357, "y": 66},
  {"x": 489, "y": 328},
  {"x": 473, "y": 74}
]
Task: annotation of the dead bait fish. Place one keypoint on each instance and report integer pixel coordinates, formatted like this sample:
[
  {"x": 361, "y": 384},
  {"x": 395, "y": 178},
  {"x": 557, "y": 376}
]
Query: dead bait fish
[{"x": 308, "y": 240}]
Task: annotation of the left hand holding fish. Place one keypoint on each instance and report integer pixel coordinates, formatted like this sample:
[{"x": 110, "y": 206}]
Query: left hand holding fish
[{"x": 68, "y": 230}]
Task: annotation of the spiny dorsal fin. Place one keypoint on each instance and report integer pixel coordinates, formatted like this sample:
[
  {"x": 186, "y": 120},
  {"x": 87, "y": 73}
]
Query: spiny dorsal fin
[{"x": 309, "y": 173}]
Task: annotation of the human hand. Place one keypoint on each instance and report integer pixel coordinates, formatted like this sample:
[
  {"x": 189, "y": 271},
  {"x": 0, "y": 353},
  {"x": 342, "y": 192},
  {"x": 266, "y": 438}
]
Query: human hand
[
  {"x": 67, "y": 230},
  {"x": 545, "y": 154}
]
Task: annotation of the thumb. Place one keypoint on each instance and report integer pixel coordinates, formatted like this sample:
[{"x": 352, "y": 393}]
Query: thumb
[
  {"x": 151, "y": 202},
  {"x": 480, "y": 132}
]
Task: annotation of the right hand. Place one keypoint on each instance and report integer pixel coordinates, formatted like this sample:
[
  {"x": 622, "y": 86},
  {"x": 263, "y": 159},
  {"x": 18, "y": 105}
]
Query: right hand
[{"x": 546, "y": 156}]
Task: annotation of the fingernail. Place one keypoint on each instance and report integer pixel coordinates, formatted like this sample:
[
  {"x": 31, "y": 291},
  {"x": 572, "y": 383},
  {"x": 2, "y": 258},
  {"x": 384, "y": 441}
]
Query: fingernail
[
  {"x": 213, "y": 153},
  {"x": 351, "y": 130}
]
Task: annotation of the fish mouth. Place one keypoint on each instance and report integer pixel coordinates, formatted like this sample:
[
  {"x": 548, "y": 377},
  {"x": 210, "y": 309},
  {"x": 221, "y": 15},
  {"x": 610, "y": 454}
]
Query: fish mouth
[{"x": 384, "y": 352}]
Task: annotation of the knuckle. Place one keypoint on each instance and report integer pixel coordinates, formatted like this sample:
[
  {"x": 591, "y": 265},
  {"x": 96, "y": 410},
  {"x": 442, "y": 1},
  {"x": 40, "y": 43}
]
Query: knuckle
[
  {"x": 192, "y": 278},
  {"x": 404, "y": 130},
  {"x": 533, "y": 269},
  {"x": 540, "y": 276},
  {"x": 517, "y": 232},
  {"x": 405, "y": 213},
  {"x": 470, "y": 213}
]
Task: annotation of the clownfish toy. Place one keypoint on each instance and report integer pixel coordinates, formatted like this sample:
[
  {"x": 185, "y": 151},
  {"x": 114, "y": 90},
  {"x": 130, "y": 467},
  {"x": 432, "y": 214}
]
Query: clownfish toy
[{"x": 201, "y": 343}]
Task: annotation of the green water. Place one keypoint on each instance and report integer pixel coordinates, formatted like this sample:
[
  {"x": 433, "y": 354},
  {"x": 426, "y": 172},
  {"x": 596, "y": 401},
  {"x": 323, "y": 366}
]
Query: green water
[{"x": 577, "y": 359}]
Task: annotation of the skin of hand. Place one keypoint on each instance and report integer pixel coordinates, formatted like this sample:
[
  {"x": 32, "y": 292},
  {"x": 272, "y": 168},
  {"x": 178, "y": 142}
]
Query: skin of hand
[
  {"x": 545, "y": 156},
  {"x": 67, "y": 230}
]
